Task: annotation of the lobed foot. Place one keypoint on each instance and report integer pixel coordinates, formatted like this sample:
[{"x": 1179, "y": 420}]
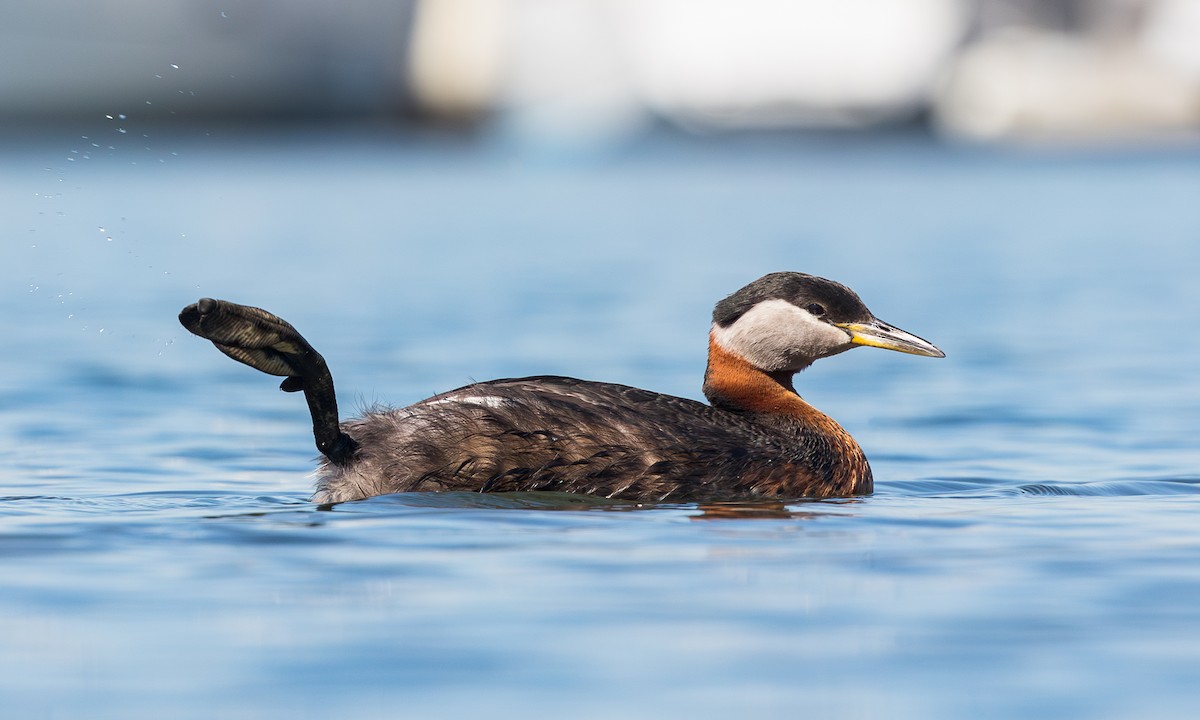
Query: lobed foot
[{"x": 252, "y": 336}]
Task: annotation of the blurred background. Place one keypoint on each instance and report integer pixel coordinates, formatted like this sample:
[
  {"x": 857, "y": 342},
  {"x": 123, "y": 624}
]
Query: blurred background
[
  {"x": 1067, "y": 70},
  {"x": 453, "y": 190}
]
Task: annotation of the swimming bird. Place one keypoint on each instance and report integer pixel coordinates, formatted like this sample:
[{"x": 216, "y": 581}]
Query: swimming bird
[{"x": 757, "y": 439}]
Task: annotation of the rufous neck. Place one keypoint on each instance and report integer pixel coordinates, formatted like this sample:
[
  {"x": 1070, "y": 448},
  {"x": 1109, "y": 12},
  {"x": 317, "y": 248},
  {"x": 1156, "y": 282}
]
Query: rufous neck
[{"x": 733, "y": 383}]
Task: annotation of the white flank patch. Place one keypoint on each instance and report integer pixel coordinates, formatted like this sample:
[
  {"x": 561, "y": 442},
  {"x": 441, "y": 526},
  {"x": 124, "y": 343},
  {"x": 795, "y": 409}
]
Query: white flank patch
[
  {"x": 489, "y": 401},
  {"x": 775, "y": 335}
]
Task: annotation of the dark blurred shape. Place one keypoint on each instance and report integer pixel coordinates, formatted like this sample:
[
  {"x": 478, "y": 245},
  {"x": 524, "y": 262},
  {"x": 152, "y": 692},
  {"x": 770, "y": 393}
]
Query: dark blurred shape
[{"x": 189, "y": 58}]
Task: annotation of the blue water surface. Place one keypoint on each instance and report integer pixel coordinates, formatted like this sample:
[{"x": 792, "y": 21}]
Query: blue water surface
[{"x": 1032, "y": 549}]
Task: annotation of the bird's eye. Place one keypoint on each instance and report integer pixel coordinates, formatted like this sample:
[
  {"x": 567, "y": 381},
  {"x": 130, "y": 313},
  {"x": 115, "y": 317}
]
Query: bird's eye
[{"x": 816, "y": 309}]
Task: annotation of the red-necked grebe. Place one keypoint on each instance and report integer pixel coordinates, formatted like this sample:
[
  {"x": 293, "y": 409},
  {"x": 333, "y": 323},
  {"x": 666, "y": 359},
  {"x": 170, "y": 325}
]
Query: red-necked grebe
[{"x": 757, "y": 440}]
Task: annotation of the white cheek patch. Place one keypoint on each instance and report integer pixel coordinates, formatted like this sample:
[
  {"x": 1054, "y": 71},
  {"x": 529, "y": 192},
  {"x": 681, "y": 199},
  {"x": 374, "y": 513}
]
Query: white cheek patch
[{"x": 775, "y": 335}]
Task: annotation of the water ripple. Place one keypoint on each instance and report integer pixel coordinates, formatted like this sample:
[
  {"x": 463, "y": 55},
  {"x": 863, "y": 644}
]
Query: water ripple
[
  {"x": 1000, "y": 487},
  {"x": 1117, "y": 488}
]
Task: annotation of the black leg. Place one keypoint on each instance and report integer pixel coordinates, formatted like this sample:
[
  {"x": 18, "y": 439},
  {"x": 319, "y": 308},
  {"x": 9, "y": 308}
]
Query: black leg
[{"x": 268, "y": 343}]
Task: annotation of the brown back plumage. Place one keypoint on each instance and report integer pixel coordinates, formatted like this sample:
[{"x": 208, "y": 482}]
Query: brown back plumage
[{"x": 568, "y": 435}]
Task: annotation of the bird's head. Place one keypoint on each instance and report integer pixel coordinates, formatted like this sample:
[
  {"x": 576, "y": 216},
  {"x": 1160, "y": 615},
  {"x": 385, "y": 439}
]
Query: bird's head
[{"x": 784, "y": 321}]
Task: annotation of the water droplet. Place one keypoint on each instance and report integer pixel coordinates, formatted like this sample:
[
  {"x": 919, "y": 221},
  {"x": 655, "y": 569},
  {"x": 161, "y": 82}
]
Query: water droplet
[
  {"x": 121, "y": 130},
  {"x": 174, "y": 66},
  {"x": 121, "y": 116},
  {"x": 109, "y": 238},
  {"x": 101, "y": 228},
  {"x": 110, "y": 117}
]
